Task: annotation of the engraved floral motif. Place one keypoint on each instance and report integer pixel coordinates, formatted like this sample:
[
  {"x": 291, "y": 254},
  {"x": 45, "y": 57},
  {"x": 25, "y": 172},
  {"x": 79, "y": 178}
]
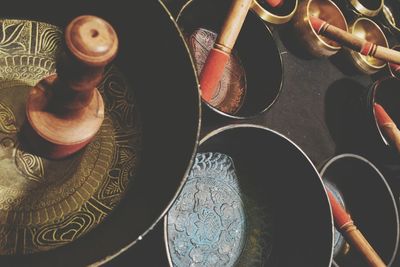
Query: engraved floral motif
[
  {"x": 206, "y": 225},
  {"x": 9, "y": 35},
  {"x": 30, "y": 165},
  {"x": 7, "y": 120}
]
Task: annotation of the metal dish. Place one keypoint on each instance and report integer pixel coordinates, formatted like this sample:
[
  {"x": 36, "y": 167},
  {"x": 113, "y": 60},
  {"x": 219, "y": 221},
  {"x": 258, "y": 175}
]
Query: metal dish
[
  {"x": 256, "y": 190},
  {"x": 255, "y": 50},
  {"x": 313, "y": 43},
  {"x": 365, "y": 192},
  {"x": 59, "y": 213},
  {"x": 370, "y": 31}
]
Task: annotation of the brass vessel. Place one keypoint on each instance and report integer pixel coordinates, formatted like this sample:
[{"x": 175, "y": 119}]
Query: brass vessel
[
  {"x": 369, "y": 30},
  {"x": 315, "y": 44},
  {"x": 369, "y": 8},
  {"x": 278, "y": 15}
]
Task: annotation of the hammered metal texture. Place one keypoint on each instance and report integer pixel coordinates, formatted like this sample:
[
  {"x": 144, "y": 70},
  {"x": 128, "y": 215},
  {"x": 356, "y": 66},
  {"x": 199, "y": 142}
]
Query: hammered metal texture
[
  {"x": 44, "y": 203},
  {"x": 212, "y": 223}
]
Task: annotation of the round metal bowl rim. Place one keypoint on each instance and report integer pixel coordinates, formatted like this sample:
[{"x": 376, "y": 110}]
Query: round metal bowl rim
[
  {"x": 365, "y": 11},
  {"x": 270, "y": 17},
  {"x": 357, "y": 56},
  {"x": 107, "y": 258},
  {"x": 395, "y": 47},
  {"x": 329, "y": 162},
  {"x": 373, "y": 88},
  {"x": 224, "y": 114},
  {"x": 334, "y": 48},
  {"x": 254, "y": 126}
]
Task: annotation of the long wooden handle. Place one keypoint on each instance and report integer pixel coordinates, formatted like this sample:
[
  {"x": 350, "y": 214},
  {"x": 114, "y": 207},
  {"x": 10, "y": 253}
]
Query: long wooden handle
[
  {"x": 387, "y": 54},
  {"x": 218, "y": 57},
  {"x": 387, "y": 125},
  {"x": 233, "y": 24},
  {"x": 354, "y": 42},
  {"x": 358, "y": 241},
  {"x": 346, "y": 226}
]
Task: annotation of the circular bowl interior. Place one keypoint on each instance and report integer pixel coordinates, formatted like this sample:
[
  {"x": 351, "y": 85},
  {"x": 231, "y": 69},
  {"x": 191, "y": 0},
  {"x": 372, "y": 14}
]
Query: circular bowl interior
[
  {"x": 315, "y": 44},
  {"x": 255, "y": 49},
  {"x": 369, "y": 8},
  {"x": 370, "y": 31},
  {"x": 385, "y": 92},
  {"x": 284, "y": 206},
  {"x": 370, "y": 203},
  {"x": 275, "y": 15},
  {"x": 155, "y": 176}
]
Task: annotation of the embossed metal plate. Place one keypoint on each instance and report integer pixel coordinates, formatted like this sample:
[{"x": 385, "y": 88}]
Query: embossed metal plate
[
  {"x": 212, "y": 223},
  {"x": 43, "y": 203}
]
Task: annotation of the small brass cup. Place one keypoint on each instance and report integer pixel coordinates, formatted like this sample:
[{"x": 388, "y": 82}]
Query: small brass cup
[
  {"x": 276, "y": 15},
  {"x": 369, "y": 8},
  {"x": 369, "y": 30},
  {"x": 315, "y": 44}
]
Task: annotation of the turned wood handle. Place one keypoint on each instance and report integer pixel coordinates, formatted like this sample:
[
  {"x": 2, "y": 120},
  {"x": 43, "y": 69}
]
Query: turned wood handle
[
  {"x": 91, "y": 44},
  {"x": 345, "y": 225},
  {"x": 358, "y": 241},
  {"x": 232, "y": 25},
  {"x": 214, "y": 66},
  {"x": 354, "y": 42}
]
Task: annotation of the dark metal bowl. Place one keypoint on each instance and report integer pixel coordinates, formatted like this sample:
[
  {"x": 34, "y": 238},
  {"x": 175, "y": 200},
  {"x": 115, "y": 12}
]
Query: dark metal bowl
[
  {"x": 255, "y": 47},
  {"x": 370, "y": 202},
  {"x": 155, "y": 61},
  {"x": 279, "y": 187}
]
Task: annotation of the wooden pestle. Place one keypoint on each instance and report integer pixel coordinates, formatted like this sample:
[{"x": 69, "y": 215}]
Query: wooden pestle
[
  {"x": 66, "y": 110},
  {"x": 353, "y": 236},
  {"x": 219, "y": 55},
  {"x": 354, "y": 42},
  {"x": 387, "y": 125},
  {"x": 275, "y": 3}
]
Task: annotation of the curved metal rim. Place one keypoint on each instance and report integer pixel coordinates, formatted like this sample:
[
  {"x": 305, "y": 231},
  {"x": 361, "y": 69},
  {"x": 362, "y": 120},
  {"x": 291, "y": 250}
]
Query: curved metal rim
[
  {"x": 359, "y": 59},
  {"x": 254, "y": 126},
  {"x": 372, "y": 110},
  {"x": 354, "y": 156},
  {"x": 232, "y": 116},
  {"x": 270, "y": 17},
  {"x": 392, "y": 73},
  {"x": 365, "y": 11},
  {"x": 190, "y": 163}
]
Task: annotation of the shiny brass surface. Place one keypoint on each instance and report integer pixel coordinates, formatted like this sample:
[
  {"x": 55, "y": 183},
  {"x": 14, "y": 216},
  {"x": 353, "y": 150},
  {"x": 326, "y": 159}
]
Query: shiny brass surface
[
  {"x": 369, "y": 8},
  {"x": 271, "y": 17},
  {"x": 315, "y": 44},
  {"x": 369, "y": 30},
  {"x": 48, "y": 203}
]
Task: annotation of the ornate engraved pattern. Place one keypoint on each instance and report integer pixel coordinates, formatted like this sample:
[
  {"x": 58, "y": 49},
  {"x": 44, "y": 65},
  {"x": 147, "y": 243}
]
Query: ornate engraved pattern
[
  {"x": 206, "y": 225},
  {"x": 231, "y": 90},
  {"x": 44, "y": 203},
  {"x": 7, "y": 120}
]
